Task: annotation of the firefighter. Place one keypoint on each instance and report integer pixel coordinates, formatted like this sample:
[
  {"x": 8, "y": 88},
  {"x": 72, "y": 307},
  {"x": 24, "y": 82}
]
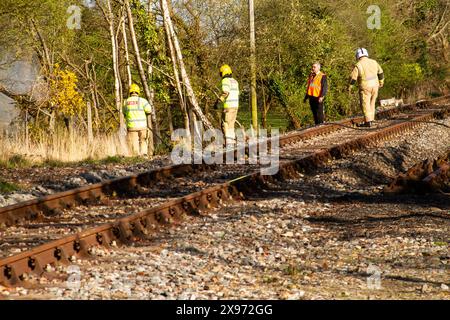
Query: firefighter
[
  {"x": 230, "y": 99},
  {"x": 370, "y": 77},
  {"x": 135, "y": 110},
  {"x": 316, "y": 90}
]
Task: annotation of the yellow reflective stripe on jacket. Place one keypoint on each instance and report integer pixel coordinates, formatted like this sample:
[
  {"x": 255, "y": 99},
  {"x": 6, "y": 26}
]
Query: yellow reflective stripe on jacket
[
  {"x": 368, "y": 77},
  {"x": 315, "y": 85},
  {"x": 135, "y": 111},
  {"x": 231, "y": 86}
]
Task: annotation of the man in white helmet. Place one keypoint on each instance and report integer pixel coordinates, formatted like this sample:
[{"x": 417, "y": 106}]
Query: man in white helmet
[{"x": 370, "y": 77}]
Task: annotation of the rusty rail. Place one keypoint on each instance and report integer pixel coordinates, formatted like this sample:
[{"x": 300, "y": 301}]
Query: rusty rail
[
  {"x": 428, "y": 176},
  {"x": 53, "y": 204},
  {"x": 147, "y": 222}
]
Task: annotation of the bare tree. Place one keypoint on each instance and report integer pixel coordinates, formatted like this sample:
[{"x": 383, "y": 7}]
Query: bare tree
[
  {"x": 185, "y": 78},
  {"x": 127, "y": 55},
  {"x": 109, "y": 16},
  {"x": 153, "y": 125},
  {"x": 177, "y": 79}
]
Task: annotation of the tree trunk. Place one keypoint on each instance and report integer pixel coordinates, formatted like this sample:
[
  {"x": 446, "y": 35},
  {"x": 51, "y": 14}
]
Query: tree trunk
[
  {"x": 150, "y": 77},
  {"x": 127, "y": 55},
  {"x": 177, "y": 79},
  {"x": 151, "y": 125},
  {"x": 264, "y": 109},
  {"x": 45, "y": 56},
  {"x": 109, "y": 16},
  {"x": 115, "y": 57},
  {"x": 190, "y": 92},
  {"x": 96, "y": 100},
  {"x": 27, "y": 135},
  {"x": 93, "y": 93},
  {"x": 169, "y": 116},
  {"x": 89, "y": 123},
  {"x": 254, "y": 102}
]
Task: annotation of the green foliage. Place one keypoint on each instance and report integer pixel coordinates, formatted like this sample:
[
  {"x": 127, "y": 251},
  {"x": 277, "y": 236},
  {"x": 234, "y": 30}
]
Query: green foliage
[
  {"x": 111, "y": 160},
  {"x": 290, "y": 36},
  {"x": 275, "y": 119},
  {"x": 119, "y": 160},
  {"x": 424, "y": 8},
  {"x": 15, "y": 161},
  {"x": 152, "y": 41},
  {"x": 164, "y": 147},
  {"x": 292, "y": 270},
  {"x": 305, "y": 33},
  {"x": 6, "y": 187},
  {"x": 299, "y": 108},
  {"x": 52, "y": 163}
]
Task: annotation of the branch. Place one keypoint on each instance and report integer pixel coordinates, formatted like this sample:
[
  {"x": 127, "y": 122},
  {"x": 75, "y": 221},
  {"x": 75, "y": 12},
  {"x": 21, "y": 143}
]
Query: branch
[
  {"x": 435, "y": 33},
  {"x": 73, "y": 66},
  {"x": 113, "y": 112},
  {"x": 119, "y": 25},
  {"x": 20, "y": 98},
  {"x": 102, "y": 9},
  {"x": 43, "y": 44},
  {"x": 159, "y": 70},
  {"x": 438, "y": 33},
  {"x": 9, "y": 93}
]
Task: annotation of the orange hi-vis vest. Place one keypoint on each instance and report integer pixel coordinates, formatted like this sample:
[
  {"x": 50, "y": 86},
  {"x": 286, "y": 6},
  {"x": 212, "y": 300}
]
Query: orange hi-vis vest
[{"x": 315, "y": 84}]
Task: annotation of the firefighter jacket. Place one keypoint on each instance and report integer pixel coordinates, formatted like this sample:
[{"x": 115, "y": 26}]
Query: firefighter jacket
[
  {"x": 368, "y": 73},
  {"x": 135, "y": 110},
  {"x": 231, "y": 86}
]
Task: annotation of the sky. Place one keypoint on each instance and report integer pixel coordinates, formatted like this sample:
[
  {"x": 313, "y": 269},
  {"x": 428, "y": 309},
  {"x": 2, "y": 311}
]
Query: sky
[{"x": 18, "y": 77}]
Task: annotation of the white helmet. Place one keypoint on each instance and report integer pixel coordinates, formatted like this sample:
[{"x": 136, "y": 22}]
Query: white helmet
[{"x": 361, "y": 52}]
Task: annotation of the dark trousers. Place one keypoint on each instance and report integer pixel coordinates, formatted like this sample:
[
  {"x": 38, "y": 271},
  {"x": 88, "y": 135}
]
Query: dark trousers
[{"x": 317, "y": 109}]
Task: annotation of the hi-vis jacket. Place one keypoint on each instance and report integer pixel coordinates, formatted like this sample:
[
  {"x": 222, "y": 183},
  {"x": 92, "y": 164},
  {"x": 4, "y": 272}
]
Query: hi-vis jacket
[
  {"x": 231, "y": 86},
  {"x": 135, "y": 110},
  {"x": 317, "y": 86},
  {"x": 368, "y": 73}
]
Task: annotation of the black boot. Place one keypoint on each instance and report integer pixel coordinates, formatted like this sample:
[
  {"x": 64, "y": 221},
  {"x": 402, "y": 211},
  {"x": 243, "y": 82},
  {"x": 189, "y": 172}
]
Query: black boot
[{"x": 364, "y": 124}]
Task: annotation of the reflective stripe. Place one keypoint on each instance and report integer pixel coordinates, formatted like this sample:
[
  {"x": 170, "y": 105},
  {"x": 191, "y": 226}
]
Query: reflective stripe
[
  {"x": 364, "y": 81},
  {"x": 138, "y": 120},
  {"x": 231, "y": 86},
  {"x": 135, "y": 111},
  {"x": 315, "y": 85},
  {"x": 371, "y": 83},
  {"x": 135, "y": 108}
]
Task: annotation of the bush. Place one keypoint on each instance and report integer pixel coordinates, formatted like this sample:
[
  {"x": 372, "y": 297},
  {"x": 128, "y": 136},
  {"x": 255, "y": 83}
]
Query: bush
[
  {"x": 15, "y": 161},
  {"x": 6, "y": 187}
]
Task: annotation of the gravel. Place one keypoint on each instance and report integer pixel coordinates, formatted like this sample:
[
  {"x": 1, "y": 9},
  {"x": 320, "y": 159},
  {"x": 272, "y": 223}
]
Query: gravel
[{"x": 331, "y": 234}]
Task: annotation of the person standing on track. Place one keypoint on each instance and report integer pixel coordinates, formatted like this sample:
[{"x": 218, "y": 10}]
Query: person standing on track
[
  {"x": 316, "y": 90},
  {"x": 230, "y": 99},
  {"x": 135, "y": 110},
  {"x": 370, "y": 77}
]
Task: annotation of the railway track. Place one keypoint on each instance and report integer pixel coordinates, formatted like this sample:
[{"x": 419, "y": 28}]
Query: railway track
[
  {"x": 114, "y": 219},
  {"x": 53, "y": 204}
]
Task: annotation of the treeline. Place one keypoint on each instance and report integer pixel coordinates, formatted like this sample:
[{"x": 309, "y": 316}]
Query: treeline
[{"x": 88, "y": 57}]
